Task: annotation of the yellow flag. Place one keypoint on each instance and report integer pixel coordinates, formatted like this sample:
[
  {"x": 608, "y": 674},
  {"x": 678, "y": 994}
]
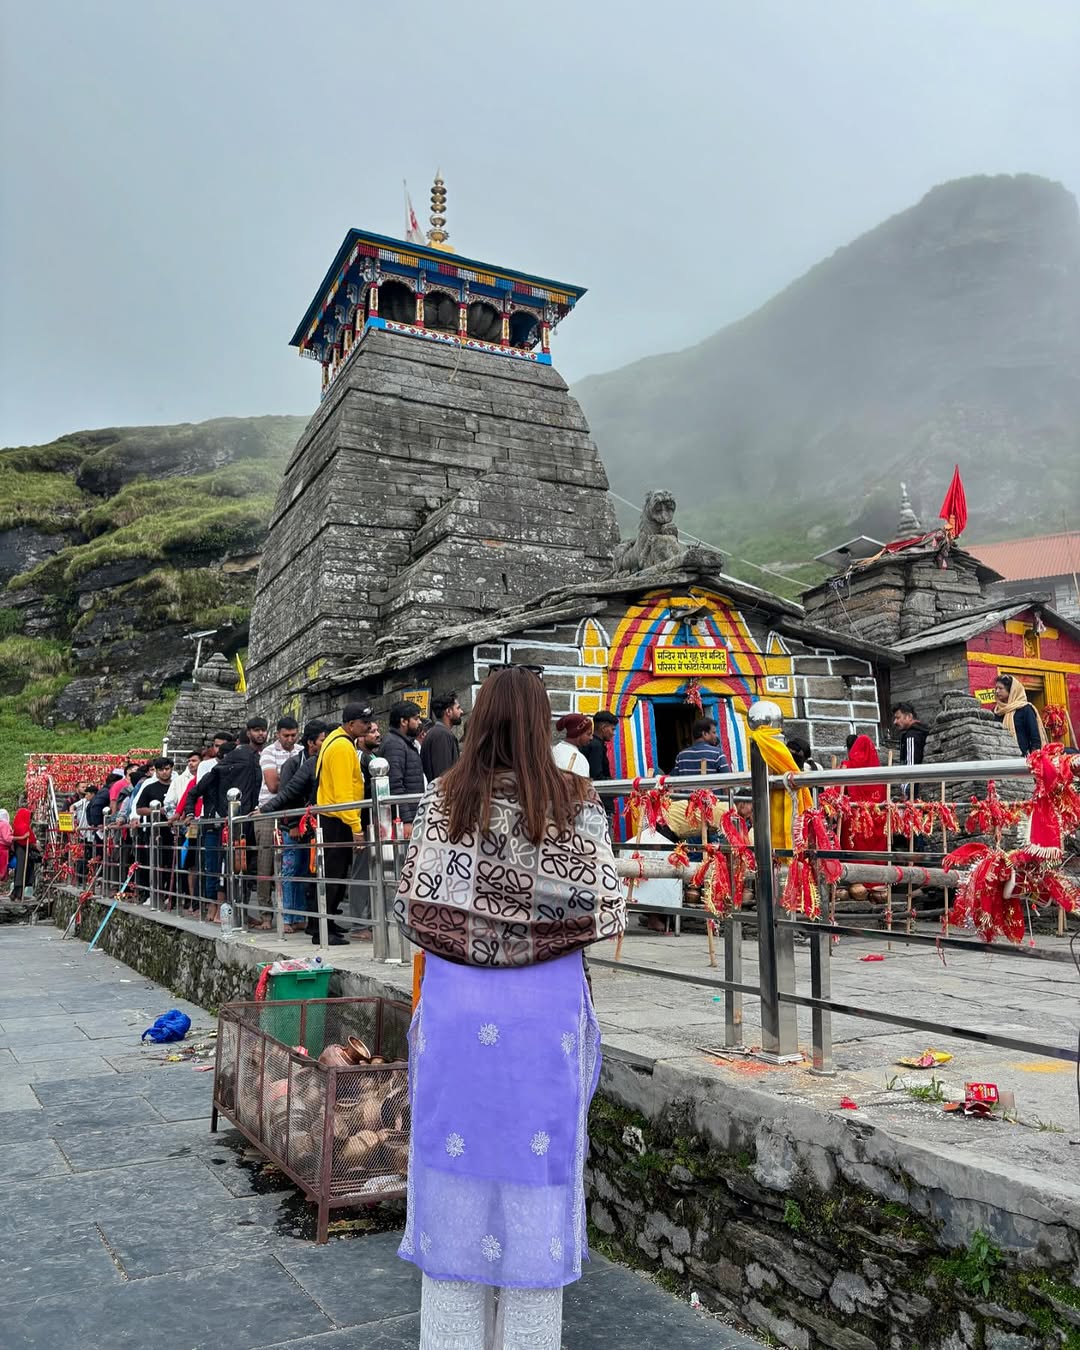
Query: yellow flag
[{"x": 241, "y": 687}]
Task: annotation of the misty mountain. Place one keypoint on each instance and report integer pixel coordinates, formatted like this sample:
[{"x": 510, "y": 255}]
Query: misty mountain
[{"x": 949, "y": 333}]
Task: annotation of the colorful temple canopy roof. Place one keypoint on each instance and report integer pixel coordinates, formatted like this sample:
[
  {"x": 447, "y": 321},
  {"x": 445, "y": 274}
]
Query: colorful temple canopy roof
[{"x": 352, "y": 269}]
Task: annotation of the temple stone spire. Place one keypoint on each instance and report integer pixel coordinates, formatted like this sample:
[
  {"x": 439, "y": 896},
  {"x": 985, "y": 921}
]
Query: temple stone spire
[{"x": 909, "y": 522}]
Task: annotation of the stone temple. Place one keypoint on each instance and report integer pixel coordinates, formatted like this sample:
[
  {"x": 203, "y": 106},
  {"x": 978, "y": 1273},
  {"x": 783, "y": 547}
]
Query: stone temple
[{"x": 447, "y": 473}]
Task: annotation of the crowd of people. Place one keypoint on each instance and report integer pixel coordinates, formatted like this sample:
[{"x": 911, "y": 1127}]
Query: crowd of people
[{"x": 307, "y": 773}]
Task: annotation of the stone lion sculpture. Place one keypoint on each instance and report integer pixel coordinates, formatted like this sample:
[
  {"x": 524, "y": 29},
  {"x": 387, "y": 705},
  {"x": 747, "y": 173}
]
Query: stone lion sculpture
[{"x": 657, "y": 537}]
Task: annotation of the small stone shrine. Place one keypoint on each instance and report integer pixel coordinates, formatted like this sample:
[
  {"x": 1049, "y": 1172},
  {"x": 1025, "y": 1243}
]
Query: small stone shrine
[
  {"x": 209, "y": 702},
  {"x": 447, "y": 473}
]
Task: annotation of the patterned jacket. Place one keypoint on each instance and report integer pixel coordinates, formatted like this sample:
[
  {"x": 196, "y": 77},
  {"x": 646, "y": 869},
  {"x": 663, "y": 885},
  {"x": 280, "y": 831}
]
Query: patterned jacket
[{"x": 494, "y": 898}]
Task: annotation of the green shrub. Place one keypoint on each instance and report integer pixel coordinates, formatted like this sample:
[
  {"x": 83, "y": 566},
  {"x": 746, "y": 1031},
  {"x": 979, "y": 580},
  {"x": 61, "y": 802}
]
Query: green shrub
[{"x": 48, "y": 500}]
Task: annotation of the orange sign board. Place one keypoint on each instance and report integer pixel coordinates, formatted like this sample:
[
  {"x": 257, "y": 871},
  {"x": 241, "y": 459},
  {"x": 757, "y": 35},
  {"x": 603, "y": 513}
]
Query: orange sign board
[
  {"x": 689, "y": 661},
  {"x": 985, "y": 696}
]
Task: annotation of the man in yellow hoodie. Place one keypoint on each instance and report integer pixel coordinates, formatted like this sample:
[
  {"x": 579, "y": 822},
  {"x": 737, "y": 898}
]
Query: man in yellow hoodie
[{"x": 338, "y": 779}]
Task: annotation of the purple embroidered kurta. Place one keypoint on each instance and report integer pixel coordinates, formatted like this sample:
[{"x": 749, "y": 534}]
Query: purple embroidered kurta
[{"x": 502, "y": 1067}]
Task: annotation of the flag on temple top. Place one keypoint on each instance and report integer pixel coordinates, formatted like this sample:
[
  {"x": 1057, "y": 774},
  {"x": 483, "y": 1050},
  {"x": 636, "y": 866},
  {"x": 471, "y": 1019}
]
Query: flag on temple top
[
  {"x": 413, "y": 233},
  {"x": 954, "y": 508},
  {"x": 241, "y": 685}
]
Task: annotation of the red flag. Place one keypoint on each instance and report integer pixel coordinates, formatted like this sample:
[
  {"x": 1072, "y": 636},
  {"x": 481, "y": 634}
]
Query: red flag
[{"x": 954, "y": 508}]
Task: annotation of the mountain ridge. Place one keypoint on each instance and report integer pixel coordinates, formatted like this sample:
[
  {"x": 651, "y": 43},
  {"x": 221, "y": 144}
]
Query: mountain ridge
[{"x": 948, "y": 333}]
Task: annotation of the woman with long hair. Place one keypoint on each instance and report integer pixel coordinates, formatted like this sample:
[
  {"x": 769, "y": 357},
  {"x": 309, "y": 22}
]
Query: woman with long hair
[{"x": 508, "y": 876}]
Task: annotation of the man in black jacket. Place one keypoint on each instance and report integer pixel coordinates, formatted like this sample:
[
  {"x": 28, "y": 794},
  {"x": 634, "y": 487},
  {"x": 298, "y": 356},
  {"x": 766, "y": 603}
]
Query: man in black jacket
[
  {"x": 400, "y": 752},
  {"x": 912, "y": 740},
  {"x": 441, "y": 747}
]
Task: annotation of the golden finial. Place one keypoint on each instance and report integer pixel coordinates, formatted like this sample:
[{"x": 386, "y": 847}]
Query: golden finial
[{"x": 437, "y": 236}]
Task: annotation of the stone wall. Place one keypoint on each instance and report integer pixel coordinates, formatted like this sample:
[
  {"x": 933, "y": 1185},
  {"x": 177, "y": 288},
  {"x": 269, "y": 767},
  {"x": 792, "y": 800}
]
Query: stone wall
[
  {"x": 175, "y": 953},
  {"x": 820, "y": 1230},
  {"x": 432, "y": 486},
  {"x": 897, "y": 597}
]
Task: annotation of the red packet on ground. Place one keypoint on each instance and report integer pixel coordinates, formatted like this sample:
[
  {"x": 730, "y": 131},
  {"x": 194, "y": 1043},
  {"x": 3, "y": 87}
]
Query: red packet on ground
[
  {"x": 981, "y": 1092},
  {"x": 873, "y": 956},
  {"x": 846, "y": 1104}
]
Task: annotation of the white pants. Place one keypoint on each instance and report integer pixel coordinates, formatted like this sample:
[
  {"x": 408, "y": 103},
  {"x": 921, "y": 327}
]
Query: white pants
[{"x": 459, "y": 1316}]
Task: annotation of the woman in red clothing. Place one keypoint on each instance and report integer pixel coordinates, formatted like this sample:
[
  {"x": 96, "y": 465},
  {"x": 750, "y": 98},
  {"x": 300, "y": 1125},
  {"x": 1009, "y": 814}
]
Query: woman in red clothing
[
  {"x": 25, "y": 845},
  {"x": 869, "y": 833}
]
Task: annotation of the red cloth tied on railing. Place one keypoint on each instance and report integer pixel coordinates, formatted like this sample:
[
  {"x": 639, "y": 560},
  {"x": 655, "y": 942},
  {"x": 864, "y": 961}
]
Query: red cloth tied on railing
[
  {"x": 1055, "y": 802},
  {"x": 650, "y": 804},
  {"x": 817, "y": 839},
  {"x": 991, "y": 899},
  {"x": 742, "y": 855},
  {"x": 693, "y": 695},
  {"x": 679, "y": 856},
  {"x": 801, "y": 895},
  {"x": 714, "y": 878},
  {"x": 987, "y": 900},
  {"x": 989, "y": 814},
  {"x": 701, "y": 807}
]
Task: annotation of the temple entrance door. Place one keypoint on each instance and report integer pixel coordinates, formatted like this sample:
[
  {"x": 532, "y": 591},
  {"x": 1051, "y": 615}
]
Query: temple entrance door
[{"x": 672, "y": 727}]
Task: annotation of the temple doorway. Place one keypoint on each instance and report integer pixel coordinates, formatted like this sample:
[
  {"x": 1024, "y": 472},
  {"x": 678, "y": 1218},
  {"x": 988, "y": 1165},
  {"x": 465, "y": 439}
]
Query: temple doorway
[{"x": 672, "y": 730}]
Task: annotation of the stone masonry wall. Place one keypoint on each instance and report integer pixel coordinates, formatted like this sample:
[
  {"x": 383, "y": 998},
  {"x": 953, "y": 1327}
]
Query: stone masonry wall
[
  {"x": 896, "y": 598},
  {"x": 432, "y": 485},
  {"x": 821, "y": 1231}
]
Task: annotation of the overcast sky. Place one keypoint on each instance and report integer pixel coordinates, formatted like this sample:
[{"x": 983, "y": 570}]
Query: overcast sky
[{"x": 177, "y": 177}]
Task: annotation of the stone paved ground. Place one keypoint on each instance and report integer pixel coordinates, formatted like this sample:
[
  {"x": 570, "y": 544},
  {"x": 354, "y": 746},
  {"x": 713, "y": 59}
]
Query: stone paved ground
[{"x": 125, "y": 1223}]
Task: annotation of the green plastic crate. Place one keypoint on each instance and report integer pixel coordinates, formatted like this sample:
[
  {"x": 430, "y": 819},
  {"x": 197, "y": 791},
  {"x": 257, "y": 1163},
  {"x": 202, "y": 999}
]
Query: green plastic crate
[{"x": 284, "y": 1023}]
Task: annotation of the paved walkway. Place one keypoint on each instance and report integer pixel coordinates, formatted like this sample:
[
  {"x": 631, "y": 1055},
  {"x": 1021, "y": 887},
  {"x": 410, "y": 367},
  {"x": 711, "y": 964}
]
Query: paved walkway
[{"x": 125, "y": 1223}]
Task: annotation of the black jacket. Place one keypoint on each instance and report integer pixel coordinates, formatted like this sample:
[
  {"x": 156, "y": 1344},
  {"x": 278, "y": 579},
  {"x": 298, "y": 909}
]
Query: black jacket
[
  {"x": 1026, "y": 727},
  {"x": 439, "y": 752},
  {"x": 95, "y": 812},
  {"x": 596, "y": 752},
  {"x": 240, "y": 769},
  {"x": 210, "y": 792},
  {"x": 913, "y": 743},
  {"x": 406, "y": 771}
]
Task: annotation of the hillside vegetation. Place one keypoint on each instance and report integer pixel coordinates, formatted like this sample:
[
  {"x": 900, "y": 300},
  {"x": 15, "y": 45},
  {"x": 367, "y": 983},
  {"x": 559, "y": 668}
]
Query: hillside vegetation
[{"x": 113, "y": 545}]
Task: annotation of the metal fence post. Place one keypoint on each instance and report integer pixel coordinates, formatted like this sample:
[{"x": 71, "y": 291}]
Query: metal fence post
[
  {"x": 320, "y": 884},
  {"x": 779, "y": 1029},
  {"x": 101, "y": 878},
  {"x": 821, "y": 1018},
  {"x": 230, "y": 858},
  {"x": 153, "y": 853},
  {"x": 733, "y": 1005},
  {"x": 277, "y": 858}
]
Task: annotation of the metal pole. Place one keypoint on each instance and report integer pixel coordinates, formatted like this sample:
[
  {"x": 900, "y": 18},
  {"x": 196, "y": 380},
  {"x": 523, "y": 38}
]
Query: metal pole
[
  {"x": 230, "y": 859},
  {"x": 153, "y": 852},
  {"x": 101, "y": 881},
  {"x": 377, "y": 891},
  {"x": 821, "y": 1018},
  {"x": 320, "y": 884},
  {"x": 277, "y": 857},
  {"x": 779, "y": 1038},
  {"x": 733, "y": 1009}
]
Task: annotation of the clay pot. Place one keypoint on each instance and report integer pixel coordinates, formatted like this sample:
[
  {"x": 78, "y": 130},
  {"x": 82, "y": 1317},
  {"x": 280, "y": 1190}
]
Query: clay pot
[
  {"x": 857, "y": 891},
  {"x": 395, "y": 1109},
  {"x": 377, "y": 1059},
  {"x": 396, "y": 1151},
  {"x": 357, "y": 1150},
  {"x": 336, "y": 1057}
]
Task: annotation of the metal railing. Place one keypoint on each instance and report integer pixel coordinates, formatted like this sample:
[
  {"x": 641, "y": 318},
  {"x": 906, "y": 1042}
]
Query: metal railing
[
  {"x": 777, "y": 931},
  {"x": 348, "y": 886},
  {"x": 272, "y": 876}
]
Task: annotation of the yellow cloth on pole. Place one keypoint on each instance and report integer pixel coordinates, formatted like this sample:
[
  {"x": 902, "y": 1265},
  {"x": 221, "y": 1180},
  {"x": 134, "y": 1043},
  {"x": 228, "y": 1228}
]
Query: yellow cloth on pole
[
  {"x": 778, "y": 759},
  {"x": 241, "y": 687}
]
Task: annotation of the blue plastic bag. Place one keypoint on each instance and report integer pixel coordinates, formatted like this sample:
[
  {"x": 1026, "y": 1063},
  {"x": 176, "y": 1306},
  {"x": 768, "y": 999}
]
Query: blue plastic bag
[{"x": 171, "y": 1026}]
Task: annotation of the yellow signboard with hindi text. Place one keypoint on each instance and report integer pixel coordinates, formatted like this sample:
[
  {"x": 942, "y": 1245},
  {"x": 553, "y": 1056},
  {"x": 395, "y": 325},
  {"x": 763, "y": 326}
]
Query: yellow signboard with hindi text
[
  {"x": 65, "y": 822},
  {"x": 689, "y": 661}
]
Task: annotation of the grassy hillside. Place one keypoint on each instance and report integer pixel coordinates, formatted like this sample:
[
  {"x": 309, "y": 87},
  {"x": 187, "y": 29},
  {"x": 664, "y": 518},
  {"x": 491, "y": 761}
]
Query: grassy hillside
[{"x": 114, "y": 543}]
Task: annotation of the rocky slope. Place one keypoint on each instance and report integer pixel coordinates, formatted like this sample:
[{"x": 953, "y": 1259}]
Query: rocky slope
[
  {"x": 116, "y": 543},
  {"x": 950, "y": 333}
]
